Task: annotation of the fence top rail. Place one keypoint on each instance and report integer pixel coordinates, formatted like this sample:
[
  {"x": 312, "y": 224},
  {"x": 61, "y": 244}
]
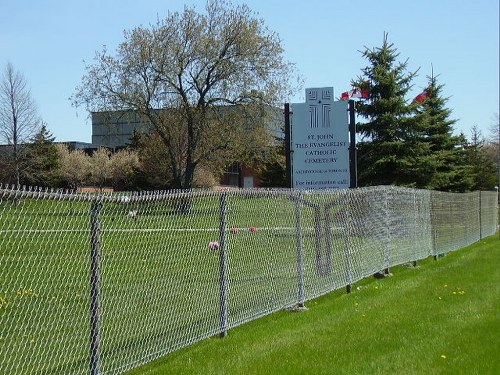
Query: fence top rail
[{"x": 23, "y": 192}]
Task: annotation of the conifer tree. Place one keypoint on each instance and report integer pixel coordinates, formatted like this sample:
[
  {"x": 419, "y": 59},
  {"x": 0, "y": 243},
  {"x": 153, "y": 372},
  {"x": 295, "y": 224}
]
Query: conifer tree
[
  {"x": 392, "y": 150},
  {"x": 42, "y": 159},
  {"x": 448, "y": 170}
]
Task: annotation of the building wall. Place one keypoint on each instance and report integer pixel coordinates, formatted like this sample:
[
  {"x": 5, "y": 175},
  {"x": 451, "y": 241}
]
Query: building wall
[
  {"x": 116, "y": 129},
  {"x": 240, "y": 177},
  {"x": 249, "y": 178}
]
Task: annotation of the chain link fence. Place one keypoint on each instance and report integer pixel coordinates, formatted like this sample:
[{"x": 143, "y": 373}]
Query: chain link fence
[{"x": 103, "y": 283}]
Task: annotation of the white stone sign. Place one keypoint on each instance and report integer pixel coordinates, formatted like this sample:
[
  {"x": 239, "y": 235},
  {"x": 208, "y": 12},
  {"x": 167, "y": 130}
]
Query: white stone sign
[{"x": 320, "y": 141}]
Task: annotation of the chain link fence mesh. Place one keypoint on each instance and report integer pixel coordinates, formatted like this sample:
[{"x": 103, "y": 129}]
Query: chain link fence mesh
[{"x": 103, "y": 283}]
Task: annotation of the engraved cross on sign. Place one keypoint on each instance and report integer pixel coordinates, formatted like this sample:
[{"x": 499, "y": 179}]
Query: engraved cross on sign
[{"x": 319, "y": 102}]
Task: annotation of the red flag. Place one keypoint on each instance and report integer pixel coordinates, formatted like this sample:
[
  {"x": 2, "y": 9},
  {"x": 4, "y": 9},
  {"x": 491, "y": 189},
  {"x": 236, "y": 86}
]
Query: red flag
[
  {"x": 420, "y": 98},
  {"x": 356, "y": 92}
]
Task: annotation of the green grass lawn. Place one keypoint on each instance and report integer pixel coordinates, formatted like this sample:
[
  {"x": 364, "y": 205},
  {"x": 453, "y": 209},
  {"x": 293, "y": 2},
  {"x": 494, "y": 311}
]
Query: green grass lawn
[{"x": 440, "y": 318}]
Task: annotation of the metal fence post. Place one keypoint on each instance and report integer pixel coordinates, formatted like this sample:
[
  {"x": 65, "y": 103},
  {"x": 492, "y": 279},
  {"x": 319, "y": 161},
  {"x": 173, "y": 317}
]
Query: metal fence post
[
  {"x": 95, "y": 285},
  {"x": 480, "y": 217},
  {"x": 223, "y": 271},
  {"x": 415, "y": 226},
  {"x": 346, "y": 234},
  {"x": 433, "y": 213},
  {"x": 387, "y": 244},
  {"x": 300, "y": 261}
]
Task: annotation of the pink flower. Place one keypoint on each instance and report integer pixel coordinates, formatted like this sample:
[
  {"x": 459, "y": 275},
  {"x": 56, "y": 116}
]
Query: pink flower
[
  {"x": 214, "y": 245},
  {"x": 234, "y": 230},
  {"x": 252, "y": 229}
]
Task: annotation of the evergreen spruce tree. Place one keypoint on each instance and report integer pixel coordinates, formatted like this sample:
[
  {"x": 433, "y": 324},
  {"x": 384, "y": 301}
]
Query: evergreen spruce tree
[
  {"x": 392, "y": 150},
  {"x": 448, "y": 169},
  {"x": 42, "y": 159}
]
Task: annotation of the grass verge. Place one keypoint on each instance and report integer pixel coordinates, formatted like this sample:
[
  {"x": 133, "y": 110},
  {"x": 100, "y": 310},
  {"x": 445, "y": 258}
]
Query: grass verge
[{"x": 442, "y": 317}]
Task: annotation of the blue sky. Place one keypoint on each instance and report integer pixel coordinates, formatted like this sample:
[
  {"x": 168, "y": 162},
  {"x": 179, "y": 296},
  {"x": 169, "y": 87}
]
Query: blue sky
[{"x": 48, "y": 41}]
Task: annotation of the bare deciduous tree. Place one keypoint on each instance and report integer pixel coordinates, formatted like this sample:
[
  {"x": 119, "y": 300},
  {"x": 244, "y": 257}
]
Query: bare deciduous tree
[{"x": 19, "y": 119}]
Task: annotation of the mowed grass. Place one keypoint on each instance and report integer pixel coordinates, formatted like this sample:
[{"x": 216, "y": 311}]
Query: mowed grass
[{"x": 442, "y": 317}]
